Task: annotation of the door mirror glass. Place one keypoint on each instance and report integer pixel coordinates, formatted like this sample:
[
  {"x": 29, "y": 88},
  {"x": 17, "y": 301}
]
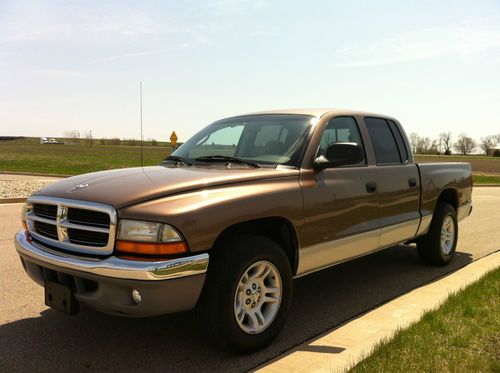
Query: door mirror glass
[{"x": 340, "y": 154}]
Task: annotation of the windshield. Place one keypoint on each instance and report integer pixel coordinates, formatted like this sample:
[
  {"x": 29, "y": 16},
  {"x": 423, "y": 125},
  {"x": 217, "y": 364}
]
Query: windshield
[{"x": 265, "y": 139}]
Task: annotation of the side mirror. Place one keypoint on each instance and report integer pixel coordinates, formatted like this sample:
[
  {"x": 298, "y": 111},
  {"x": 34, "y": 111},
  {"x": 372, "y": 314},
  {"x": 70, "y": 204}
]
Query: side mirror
[{"x": 340, "y": 154}]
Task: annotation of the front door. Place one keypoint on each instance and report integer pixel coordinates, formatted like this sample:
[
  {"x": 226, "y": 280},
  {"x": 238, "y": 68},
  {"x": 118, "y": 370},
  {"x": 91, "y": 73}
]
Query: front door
[{"x": 341, "y": 207}]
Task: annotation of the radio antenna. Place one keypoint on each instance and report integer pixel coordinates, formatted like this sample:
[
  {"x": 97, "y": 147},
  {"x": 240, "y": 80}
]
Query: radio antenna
[{"x": 140, "y": 94}]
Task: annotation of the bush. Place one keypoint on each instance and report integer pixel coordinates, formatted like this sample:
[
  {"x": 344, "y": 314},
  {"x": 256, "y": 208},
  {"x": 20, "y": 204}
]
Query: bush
[
  {"x": 447, "y": 152},
  {"x": 114, "y": 141},
  {"x": 496, "y": 153}
]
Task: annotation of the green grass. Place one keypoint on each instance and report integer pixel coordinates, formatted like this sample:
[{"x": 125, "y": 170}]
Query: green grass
[
  {"x": 463, "y": 335},
  {"x": 24, "y": 155},
  {"x": 481, "y": 164},
  {"x": 75, "y": 159},
  {"x": 483, "y": 179},
  {"x": 456, "y": 157}
]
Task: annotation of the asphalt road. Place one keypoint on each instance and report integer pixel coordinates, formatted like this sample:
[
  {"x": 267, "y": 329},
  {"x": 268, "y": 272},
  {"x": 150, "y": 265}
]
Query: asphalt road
[{"x": 35, "y": 338}]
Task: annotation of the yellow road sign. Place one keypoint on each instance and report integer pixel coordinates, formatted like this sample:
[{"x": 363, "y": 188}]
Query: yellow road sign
[{"x": 173, "y": 138}]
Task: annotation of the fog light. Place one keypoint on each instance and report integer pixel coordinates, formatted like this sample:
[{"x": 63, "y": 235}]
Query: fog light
[{"x": 136, "y": 296}]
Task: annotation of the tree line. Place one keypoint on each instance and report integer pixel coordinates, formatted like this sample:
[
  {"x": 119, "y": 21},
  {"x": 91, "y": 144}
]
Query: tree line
[
  {"x": 74, "y": 137},
  {"x": 447, "y": 145}
]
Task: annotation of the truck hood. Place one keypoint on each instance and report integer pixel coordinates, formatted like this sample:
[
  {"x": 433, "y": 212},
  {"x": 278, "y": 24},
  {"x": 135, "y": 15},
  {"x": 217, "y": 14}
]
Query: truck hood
[{"x": 125, "y": 187}]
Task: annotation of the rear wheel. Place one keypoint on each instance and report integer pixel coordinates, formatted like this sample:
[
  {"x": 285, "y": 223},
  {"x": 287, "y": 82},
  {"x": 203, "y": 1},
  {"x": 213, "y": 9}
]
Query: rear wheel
[
  {"x": 438, "y": 246},
  {"x": 247, "y": 295}
]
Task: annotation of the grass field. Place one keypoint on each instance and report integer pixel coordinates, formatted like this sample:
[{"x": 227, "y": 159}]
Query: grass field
[
  {"x": 463, "y": 335},
  {"x": 22, "y": 156},
  {"x": 486, "y": 179},
  {"x": 481, "y": 165},
  {"x": 75, "y": 159}
]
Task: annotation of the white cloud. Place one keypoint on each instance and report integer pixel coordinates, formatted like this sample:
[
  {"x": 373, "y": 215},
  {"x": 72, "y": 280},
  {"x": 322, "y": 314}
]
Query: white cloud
[
  {"x": 55, "y": 73},
  {"x": 128, "y": 55},
  {"x": 227, "y": 7},
  {"x": 68, "y": 25},
  {"x": 469, "y": 41}
]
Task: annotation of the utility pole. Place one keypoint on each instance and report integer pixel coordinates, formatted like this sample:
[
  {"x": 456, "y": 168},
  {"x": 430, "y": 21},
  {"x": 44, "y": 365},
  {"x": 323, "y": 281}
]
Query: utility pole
[{"x": 140, "y": 94}]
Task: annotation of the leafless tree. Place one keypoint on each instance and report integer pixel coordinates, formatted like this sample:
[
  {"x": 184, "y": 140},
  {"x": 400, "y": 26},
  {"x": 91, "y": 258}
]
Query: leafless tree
[
  {"x": 487, "y": 143},
  {"x": 89, "y": 140},
  {"x": 423, "y": 145},
  {"x": 73, "y": 136},
  {"x": 445, "y": 140},
  {"x": 414, "y": 141},
  {"x": 465, "y": 145}
]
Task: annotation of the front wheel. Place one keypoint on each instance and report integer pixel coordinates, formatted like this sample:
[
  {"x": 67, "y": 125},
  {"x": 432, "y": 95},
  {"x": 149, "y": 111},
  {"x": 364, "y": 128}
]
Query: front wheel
[
  {"x": 438, "y": 246},
  {"x": 247, "y": 295}
]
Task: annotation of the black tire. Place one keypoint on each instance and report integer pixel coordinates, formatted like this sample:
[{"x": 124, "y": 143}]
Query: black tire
[
  {"x": 429, "y": 246},
  {"x": 215, "y": 309}
]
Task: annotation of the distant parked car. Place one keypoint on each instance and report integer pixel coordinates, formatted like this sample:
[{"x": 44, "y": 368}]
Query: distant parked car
[{"x": 44, "y": 140}]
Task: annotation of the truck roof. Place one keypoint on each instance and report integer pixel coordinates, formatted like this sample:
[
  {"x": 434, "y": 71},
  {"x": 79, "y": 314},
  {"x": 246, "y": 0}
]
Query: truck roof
[{"x": 318, "y": 112}]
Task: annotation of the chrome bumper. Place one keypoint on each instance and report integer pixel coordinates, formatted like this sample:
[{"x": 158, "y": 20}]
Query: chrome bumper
[{"x": 113, "y": 267}]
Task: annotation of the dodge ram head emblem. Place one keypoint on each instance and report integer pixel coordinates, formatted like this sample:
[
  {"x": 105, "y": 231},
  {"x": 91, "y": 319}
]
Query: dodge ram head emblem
[{"x": 78, "y": 187}]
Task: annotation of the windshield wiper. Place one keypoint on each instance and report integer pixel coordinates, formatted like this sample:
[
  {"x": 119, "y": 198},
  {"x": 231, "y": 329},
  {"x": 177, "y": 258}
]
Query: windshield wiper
[
  {"x": 178, "y": 159},
  {"x": 223, "y": 158}
]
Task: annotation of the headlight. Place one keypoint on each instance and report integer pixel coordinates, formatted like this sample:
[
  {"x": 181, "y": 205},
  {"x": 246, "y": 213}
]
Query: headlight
[
  {"x": 148, "y": 238},
  {"x": 27, "y": 207}
]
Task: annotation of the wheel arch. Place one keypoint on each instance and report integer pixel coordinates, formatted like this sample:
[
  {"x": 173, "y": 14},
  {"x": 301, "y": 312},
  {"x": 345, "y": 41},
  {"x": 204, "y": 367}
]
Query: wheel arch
[
  {"x": 449, "y": 196},
  {"x": 276, "y": 228}
]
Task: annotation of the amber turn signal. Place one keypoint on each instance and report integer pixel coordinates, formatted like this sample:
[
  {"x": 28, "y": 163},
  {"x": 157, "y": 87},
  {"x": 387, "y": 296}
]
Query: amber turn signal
[{"x": 151, "y": 248}]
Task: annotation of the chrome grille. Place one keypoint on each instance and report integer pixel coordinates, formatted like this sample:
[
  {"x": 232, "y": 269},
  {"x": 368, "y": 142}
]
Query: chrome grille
[
  {"x": 72, "y": 225},
  {"x": 45, "y": 211},
  {"x": 47, "y": 230},
  {"x": 88, "y": 217}
]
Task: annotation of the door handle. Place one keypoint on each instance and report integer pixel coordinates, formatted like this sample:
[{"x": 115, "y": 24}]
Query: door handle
[
  {"x": 371, "y": 187},
  {"x": 412, "y": 182}
]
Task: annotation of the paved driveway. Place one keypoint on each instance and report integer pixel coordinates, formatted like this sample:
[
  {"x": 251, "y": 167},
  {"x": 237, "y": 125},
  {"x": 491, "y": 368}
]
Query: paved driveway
[{"x": 33, "y": 337}]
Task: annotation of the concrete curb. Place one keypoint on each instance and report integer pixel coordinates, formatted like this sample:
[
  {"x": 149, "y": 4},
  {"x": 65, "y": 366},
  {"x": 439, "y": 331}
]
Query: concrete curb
[
  {"x": 486, "y": 185},
  {"x": 341, "y": 348},
  {"x": 12, "y": 200},
  {"x": 33, "y": 174}
]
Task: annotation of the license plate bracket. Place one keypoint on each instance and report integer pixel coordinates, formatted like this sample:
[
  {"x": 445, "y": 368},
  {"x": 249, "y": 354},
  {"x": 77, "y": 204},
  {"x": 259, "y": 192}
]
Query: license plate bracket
[{"x": 60, "y": 297}]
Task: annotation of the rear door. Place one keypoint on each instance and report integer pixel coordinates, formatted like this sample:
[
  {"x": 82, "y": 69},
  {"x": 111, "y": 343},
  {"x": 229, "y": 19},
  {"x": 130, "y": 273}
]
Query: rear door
[{"x": 397, "y": 180}]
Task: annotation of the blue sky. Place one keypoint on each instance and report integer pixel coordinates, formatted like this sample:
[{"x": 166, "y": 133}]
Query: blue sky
[{"x": 69, "y": 65}]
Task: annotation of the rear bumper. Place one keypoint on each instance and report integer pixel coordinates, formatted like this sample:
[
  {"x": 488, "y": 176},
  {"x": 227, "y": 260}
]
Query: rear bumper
[{"x": 107, "y": 284}]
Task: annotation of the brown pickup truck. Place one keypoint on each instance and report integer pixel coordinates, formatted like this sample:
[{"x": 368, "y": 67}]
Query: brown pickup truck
[{"x": 267, "y": 197}]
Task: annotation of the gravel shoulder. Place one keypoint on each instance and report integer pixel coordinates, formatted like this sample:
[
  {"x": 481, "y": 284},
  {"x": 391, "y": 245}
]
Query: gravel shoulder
[{"x": 22, "y": 186}]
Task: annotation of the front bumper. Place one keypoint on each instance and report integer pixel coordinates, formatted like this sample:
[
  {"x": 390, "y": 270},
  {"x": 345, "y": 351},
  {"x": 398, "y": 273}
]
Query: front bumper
[
  {"x": 464, "y": 211},
  {"x": 106, "y": 284}
]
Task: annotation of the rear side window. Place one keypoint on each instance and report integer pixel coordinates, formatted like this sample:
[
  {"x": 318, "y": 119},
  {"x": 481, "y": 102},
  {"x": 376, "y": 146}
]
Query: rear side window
[
  {"x": 383, "y": 141},
  {"x": 399, "y": 140}
]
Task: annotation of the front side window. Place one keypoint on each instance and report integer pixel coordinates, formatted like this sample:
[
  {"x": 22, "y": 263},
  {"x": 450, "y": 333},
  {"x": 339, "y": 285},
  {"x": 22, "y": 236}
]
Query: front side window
[
  {"x": 383, "y": 141},
  {"x": 267, "y": 139},
  {"x": 339, "y": 129}
]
